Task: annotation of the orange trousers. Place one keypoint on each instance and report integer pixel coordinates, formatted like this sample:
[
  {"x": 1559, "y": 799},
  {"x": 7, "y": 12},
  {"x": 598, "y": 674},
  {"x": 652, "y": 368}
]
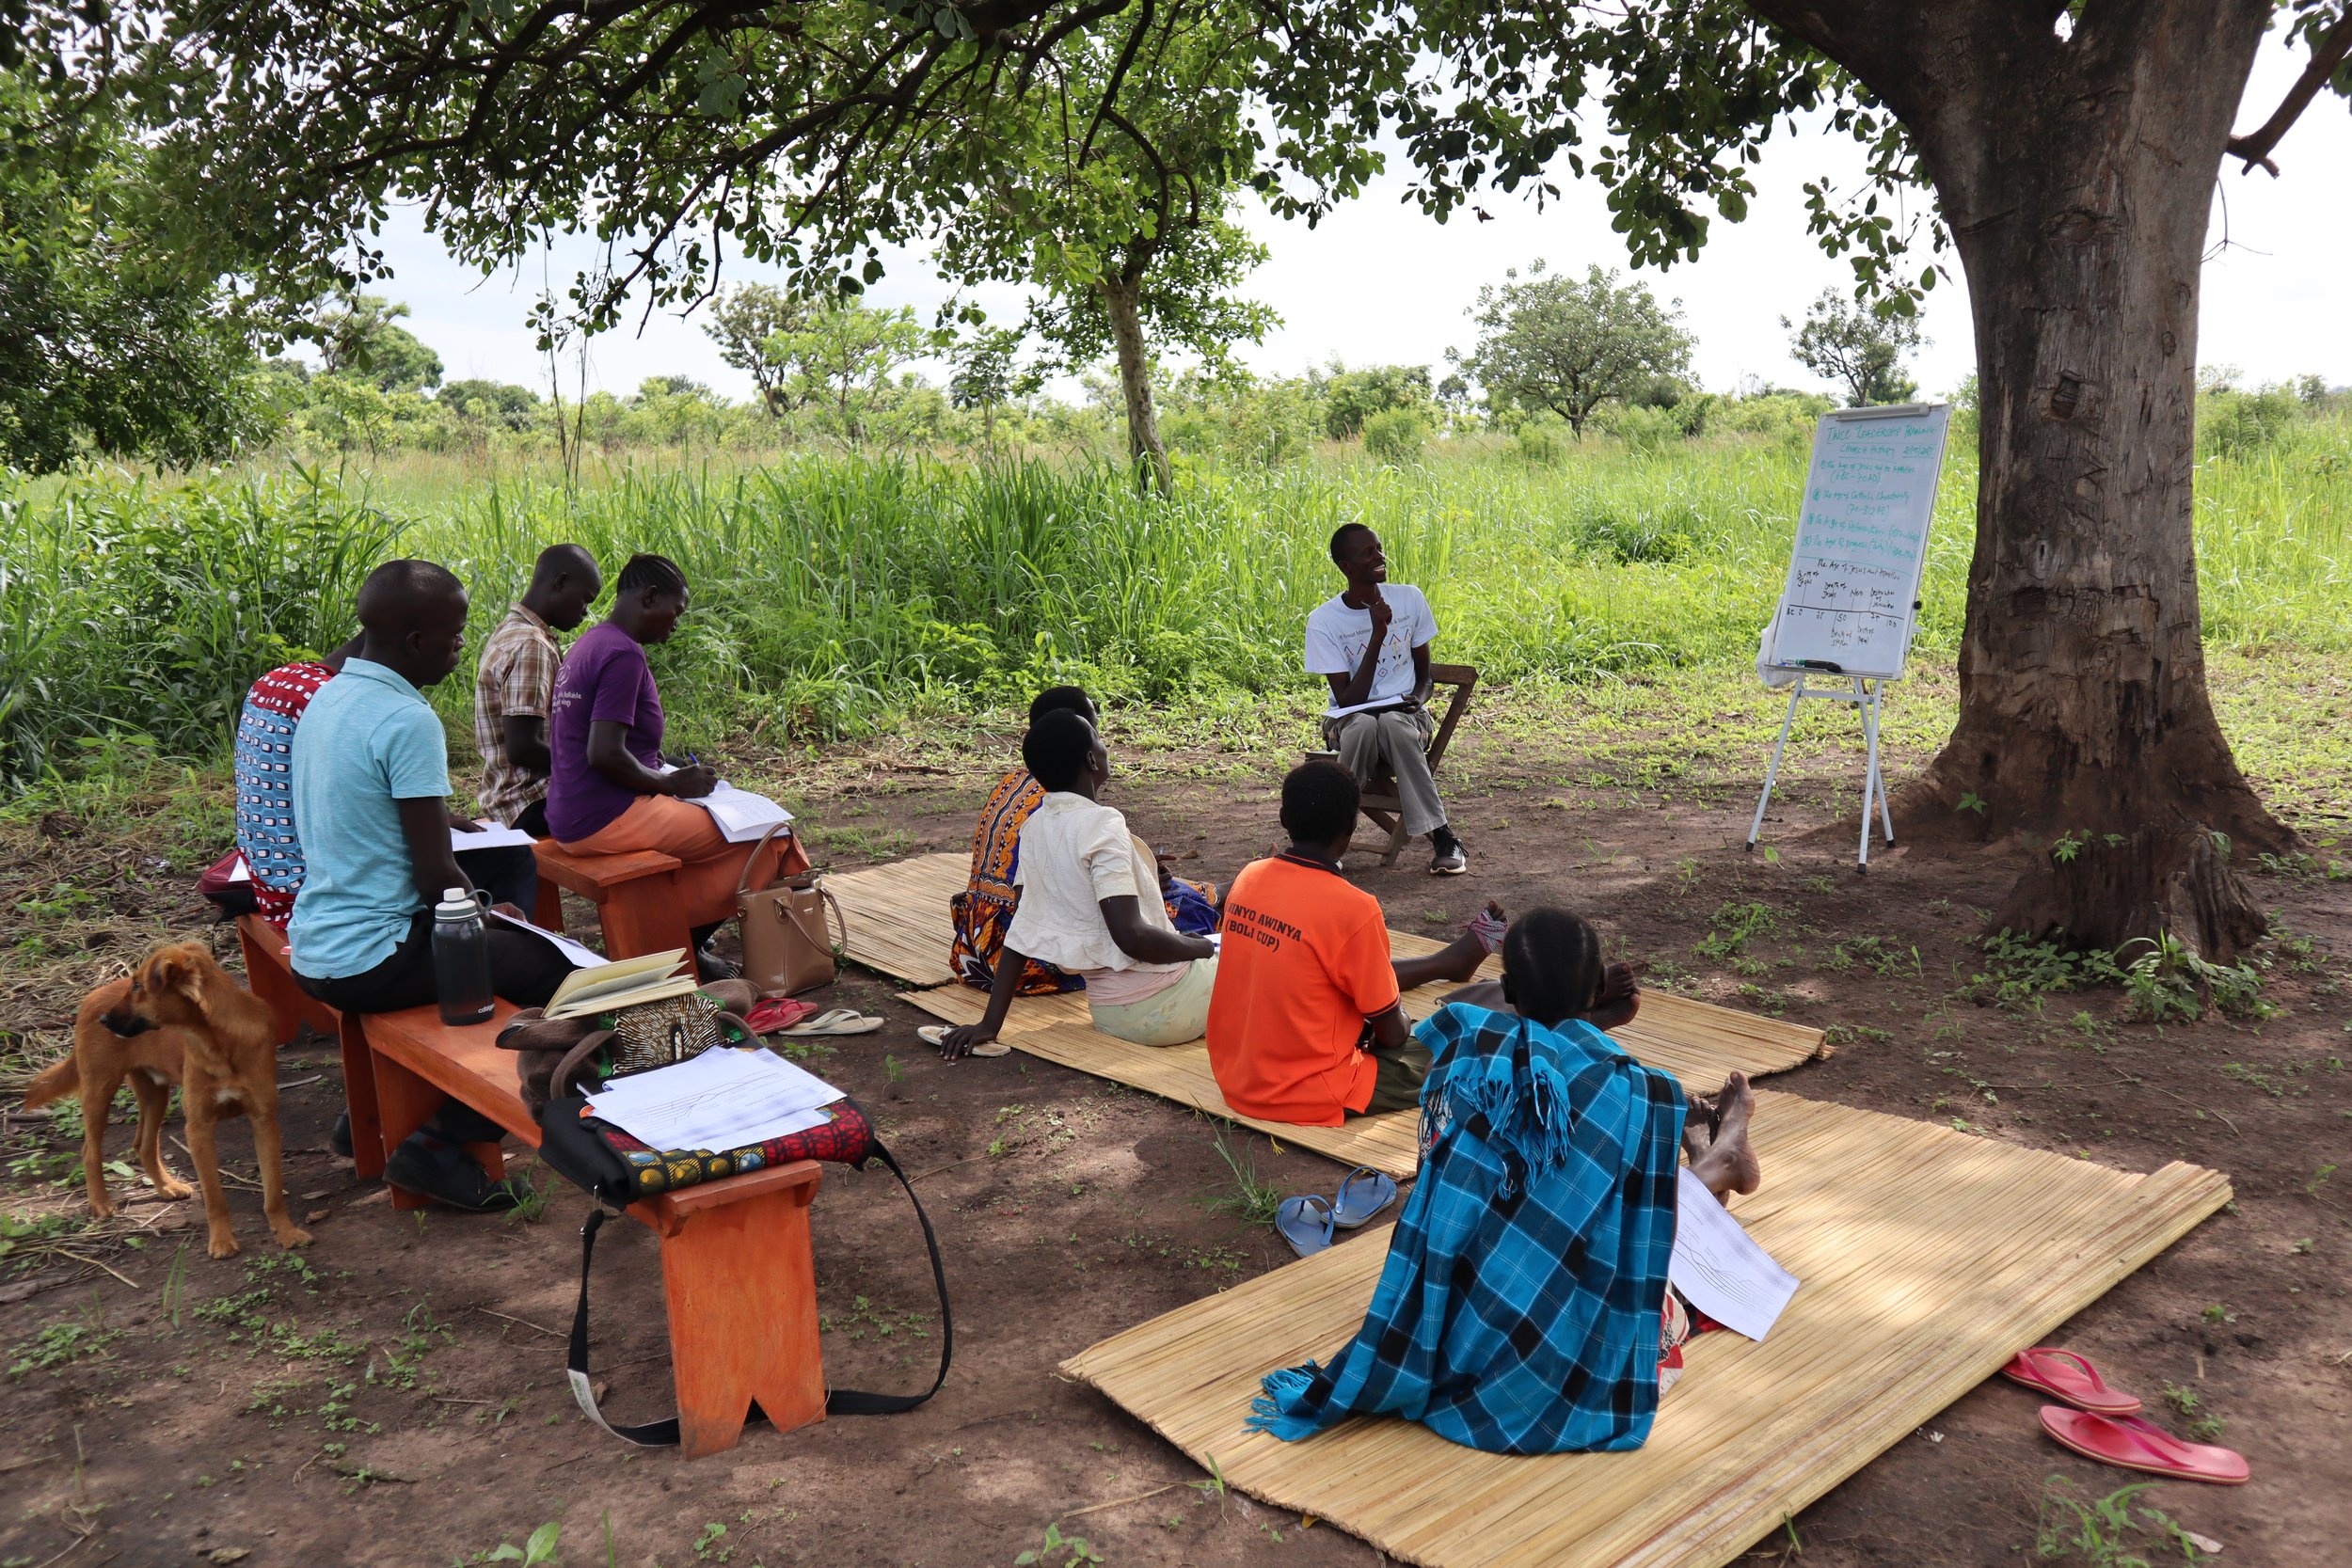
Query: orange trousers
[{"x": 712, "y": 867}]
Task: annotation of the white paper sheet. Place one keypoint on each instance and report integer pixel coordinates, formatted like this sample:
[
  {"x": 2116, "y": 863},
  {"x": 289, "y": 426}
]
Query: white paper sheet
[
  {"x": 492, "y": 836},
  {"x": 723, "y": 1098},
  {"x": 740, "y": 815},
  {"x": 581, "y": 957},
  {"x": 1719, "y": 1269}
]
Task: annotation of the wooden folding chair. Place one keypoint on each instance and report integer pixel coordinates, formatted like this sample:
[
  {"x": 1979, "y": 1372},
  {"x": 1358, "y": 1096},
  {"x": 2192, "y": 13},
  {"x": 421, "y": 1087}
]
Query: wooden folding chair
[{"x": 1380, "y": 801}]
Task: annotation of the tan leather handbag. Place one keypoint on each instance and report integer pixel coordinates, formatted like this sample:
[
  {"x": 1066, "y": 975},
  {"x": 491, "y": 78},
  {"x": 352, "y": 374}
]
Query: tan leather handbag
[{"x": 786, "y": 946}]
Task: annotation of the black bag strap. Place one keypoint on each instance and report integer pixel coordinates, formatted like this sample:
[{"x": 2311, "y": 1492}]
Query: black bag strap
[{"x": 839, "y": 1401}]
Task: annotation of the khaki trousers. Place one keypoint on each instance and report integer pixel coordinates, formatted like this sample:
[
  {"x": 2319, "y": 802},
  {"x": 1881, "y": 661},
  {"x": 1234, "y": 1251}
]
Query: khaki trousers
[{"x": 1399, "y": 738}]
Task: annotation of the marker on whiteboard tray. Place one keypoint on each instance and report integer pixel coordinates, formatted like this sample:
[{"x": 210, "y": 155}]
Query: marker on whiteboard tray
[{"x": 1821, "y": 664}]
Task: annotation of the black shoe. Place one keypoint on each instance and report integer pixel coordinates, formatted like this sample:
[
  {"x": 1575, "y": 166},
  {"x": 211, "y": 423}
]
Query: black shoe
[
  {"x": 444, "y": 1173},
  {"x": 708, "y": 966},
  {"x": 1446, "y": 858},
  {"x": 340, "y": 1139},
  {"x": 460, "y": 1123}
]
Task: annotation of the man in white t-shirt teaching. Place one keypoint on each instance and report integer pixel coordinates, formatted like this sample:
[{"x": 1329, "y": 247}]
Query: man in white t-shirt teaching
[{"x": 1371, "y": 642}]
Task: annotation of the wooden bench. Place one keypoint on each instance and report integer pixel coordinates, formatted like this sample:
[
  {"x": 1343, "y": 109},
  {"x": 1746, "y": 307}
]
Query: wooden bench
[
  {"x": 635, "y": 894},
  {"x": 269, "y": 974},
  {"x": 738, "y": 1273}
]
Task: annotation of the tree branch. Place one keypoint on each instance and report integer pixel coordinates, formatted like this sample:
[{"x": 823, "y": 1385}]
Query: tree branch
[
  {"x": 1118, "y": 75},
  {"x": 2329, "y": 52}
]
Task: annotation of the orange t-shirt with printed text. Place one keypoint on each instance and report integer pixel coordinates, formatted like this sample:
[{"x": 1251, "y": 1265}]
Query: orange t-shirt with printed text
[{"x": 1305, "y": 961}]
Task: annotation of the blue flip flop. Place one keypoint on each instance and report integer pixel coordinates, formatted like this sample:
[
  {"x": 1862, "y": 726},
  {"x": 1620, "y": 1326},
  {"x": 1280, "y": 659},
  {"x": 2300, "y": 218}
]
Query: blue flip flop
[
  {"x": 1363, "y": 1193},
  {"x": 1305, "y": 1223}
]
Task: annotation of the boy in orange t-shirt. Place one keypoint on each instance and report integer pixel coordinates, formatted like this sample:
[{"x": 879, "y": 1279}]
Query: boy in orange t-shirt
[{"x": 1306, "y": 1023}]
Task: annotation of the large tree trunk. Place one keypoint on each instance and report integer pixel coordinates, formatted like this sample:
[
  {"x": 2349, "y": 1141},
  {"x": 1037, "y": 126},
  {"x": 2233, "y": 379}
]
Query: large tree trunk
[
  {"x": 2076, "y": 176},
  {"x": 1121, "y": 301}
]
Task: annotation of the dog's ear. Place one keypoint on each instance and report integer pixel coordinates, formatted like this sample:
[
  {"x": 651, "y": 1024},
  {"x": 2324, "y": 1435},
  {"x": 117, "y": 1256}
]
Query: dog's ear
[
  {"x": 196, "y": 960},
  {"x": 161, "y": 972},
  {"x": 174, "y": 968}
]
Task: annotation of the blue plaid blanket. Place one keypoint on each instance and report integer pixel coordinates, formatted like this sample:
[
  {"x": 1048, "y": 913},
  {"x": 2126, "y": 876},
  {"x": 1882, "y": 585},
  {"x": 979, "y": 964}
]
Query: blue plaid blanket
[{"x": 1519, "y": 1309}]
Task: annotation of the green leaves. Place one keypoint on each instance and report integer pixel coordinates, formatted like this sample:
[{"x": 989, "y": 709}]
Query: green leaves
[
  {"x": 1554, "y": 343},
  {"x": 1860, "y": 350},
  {"x": 539, "y": 1548},
  {"x": 116, "y": 344}
]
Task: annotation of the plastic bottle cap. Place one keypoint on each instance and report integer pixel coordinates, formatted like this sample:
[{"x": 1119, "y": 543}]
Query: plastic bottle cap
[{"x": 457, "y": 903}]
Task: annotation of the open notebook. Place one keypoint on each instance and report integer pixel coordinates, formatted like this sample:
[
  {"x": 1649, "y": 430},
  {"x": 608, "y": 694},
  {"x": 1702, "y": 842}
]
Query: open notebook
[
  {"x": 740, "y": 816},
  {"x": 622, "y": 984}
]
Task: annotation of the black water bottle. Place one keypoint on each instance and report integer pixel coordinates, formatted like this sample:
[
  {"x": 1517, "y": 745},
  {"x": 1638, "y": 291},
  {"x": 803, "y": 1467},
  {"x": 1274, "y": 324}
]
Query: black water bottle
[{"x": 461, "y": 959}]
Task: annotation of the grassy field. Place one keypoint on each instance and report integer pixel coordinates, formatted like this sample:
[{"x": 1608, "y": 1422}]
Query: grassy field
[{"x": 837, "y": 595}]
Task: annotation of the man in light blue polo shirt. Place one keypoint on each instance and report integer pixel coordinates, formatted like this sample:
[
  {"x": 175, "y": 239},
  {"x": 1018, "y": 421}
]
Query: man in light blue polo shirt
[
  {"x": 369, "y": 742},
  {"x": 370, "y": 792}
]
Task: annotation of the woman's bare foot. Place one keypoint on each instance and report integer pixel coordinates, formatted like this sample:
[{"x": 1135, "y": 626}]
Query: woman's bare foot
[
  {"x": 1459, "y": 958},
  {"x": 1695, "y": 1139},
  {"x": 1726, "y": 1163}
]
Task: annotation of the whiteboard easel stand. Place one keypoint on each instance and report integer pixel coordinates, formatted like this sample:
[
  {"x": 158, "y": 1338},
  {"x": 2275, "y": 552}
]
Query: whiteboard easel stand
[
  {"x": 1863, "y": 692},
  {"x": 1855, "y": 572}
]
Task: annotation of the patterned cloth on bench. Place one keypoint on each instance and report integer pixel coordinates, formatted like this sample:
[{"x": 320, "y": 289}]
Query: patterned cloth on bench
[{"x": 655, "y": 1170}]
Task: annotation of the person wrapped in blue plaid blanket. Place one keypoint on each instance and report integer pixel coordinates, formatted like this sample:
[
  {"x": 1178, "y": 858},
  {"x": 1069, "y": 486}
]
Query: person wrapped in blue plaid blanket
[{"x": 1520, "y": 1308}]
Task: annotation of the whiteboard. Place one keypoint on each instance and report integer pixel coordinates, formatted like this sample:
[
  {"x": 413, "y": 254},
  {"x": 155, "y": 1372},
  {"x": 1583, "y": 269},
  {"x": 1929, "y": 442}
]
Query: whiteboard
[{"x": 1862, "y": 541}]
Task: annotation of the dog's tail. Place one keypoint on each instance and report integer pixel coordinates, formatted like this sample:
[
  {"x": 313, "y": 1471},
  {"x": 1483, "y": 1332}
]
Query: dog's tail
[{"x": 53, "y": 1081}]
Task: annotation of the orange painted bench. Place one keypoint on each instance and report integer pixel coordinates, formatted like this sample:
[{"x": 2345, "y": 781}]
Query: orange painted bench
[
  {"x": 738, "y": 1273},
  {"x": 269, "y": 974},
  {"x": 635, "y": 894}
]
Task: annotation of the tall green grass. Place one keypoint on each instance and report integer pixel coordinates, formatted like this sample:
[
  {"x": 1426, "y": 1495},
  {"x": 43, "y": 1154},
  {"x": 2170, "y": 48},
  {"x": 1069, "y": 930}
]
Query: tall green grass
[{"x": 836, "y": 594}]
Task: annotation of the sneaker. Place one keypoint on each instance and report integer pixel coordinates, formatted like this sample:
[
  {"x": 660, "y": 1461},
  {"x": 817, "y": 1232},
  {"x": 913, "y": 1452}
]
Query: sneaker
[
  {"x": 445, "y": 1174},
  {"x": 1446, "y": 858},
  {"x": 340, "y": 1139}
]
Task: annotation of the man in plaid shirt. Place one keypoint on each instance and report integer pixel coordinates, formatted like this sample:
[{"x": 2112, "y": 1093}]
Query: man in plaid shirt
[{"x": 516, "y": 682}]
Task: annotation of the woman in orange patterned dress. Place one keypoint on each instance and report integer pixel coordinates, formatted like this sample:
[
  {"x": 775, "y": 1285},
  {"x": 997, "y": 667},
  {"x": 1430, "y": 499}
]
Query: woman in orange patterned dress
[{"x": 984, "y": 908}]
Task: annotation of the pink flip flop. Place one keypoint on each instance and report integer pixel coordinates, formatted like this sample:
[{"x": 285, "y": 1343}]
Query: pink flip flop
[
  {"x": 2064, "y": 1375},
  {"x": 2128, "y": 1442}
]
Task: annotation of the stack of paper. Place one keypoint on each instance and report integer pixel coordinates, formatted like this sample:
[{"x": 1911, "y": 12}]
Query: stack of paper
[{"x": 723, "y": 1098}]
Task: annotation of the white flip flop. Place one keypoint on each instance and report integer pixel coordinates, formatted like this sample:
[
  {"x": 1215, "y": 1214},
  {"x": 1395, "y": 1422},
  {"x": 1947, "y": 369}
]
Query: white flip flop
[
  {"x": 932, "y": 1034},
  {"x": 840, "y": 1020}
]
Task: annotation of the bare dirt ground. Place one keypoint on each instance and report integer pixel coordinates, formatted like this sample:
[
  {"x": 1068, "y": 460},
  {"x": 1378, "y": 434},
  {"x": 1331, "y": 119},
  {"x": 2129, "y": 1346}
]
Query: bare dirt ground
[{"x": 394, "y": 1394}]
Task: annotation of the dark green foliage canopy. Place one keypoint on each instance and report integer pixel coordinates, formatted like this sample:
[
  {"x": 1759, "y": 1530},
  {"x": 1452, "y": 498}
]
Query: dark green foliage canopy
[
  {"x": 806, "y": 135},
  {"x": 107, "y": 343}
]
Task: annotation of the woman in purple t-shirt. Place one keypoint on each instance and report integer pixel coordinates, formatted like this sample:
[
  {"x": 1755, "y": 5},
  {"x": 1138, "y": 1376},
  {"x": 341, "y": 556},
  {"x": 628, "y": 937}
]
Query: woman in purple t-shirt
[{"x": 610, "y": 789}]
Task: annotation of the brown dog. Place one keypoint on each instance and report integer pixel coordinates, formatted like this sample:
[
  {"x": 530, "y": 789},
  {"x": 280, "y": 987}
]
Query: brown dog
[{"x": 179, "y": 1019}]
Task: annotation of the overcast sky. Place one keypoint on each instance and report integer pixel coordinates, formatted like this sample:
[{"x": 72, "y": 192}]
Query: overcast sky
[{"x": 1380, "y": 283}]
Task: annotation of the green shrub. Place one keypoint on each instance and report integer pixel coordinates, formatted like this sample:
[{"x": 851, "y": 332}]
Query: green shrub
[
  {"x": 1395, "y": 434},
  {"x": 124, "y": 606},
  {"x": 1772, "y": 414},
  {"x": 1542, "y": 440},
  {"x": 2231, "y": 423},
  {"x": 1643, "y": 429}
]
